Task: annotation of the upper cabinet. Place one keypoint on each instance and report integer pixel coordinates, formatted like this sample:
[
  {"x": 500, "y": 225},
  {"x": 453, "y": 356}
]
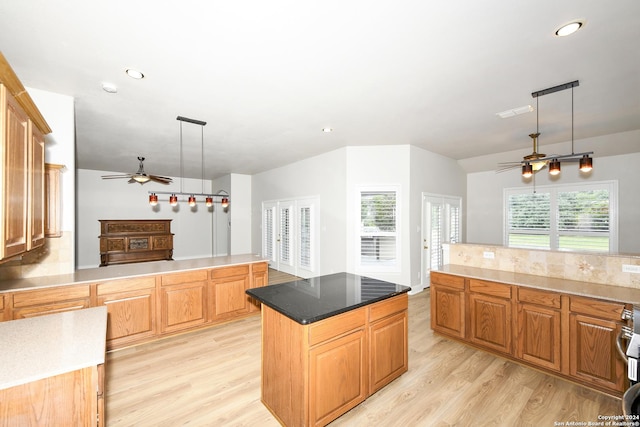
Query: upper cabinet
[{"x": 22, "y": 202}]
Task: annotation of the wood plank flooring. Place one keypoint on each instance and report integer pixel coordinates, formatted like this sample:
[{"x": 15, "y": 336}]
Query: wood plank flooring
[{"x": 212, "y": 378}]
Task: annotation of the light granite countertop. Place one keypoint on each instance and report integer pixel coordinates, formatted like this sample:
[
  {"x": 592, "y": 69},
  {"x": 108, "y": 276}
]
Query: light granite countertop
[
  {"x": 573, "y": 287},
  {"x": 123, "y": 271},
  {"x": 54, "y": 344}
]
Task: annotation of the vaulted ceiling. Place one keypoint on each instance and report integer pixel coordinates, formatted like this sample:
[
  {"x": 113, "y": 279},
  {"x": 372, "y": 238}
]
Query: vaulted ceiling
[{"x": 267, "y": 77}]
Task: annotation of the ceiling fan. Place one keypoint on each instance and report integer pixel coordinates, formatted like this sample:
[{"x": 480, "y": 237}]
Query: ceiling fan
[
  {"x": 535, "y": 161},
  {"x": 140, "y": 176}
]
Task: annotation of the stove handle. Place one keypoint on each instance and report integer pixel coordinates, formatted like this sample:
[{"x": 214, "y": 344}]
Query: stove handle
[{"x": 625, "y": 333}]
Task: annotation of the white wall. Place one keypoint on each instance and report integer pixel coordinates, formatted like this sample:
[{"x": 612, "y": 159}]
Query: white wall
[
  {"x": 116, "y": 199},
  {"x": 240, "y": 209},
  {"x": 485, "y": 197},
  {"x": 221, "y": 219},
  {"x": 323, "y": 176}
]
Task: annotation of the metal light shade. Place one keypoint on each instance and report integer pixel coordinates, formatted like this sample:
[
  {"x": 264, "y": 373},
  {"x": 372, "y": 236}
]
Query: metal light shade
[
  {"x": 586, "y": 163},
  {"x": 173, "y": 200},
  {"x": 209, "y": 201},
  {"x": 527, "y": 170},
  {"x": 554, "y": 167},
  {"x": 192, "y": 200},
  {"x": 153, "y": 199},
  {"x": 224, "y": 202}
]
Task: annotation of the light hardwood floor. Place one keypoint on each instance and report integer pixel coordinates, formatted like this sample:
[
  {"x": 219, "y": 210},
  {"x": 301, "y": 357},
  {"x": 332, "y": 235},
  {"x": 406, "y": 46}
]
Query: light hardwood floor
[{"x": 212, "y": 378}]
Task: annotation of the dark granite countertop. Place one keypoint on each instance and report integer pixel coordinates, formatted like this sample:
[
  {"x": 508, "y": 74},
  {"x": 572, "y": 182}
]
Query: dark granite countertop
[{"x": 310, "y": 300}]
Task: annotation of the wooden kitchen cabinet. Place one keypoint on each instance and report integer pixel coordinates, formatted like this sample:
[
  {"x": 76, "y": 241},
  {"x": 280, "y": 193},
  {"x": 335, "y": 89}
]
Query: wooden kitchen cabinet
[
  {"x": 22, "y": 130},
  {"x": 52, "y": 218},
  {"x": 490, "y": 315},
  {"x": 447, "y": 304},
  {"x": 50, "y": 300},
  {"x": 259, "y": 278},
  {"x": 183, "y": 300},
  {"x": 594, "y": 327},
  {"x": 227, "y": 288},
  {"x": 388, "y": 341},
  {"x": 131, "y": 308},
  {"x": 539, "y": 322}
]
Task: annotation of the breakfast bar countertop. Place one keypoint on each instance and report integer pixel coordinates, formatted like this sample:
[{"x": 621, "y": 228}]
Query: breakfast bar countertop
[
  {"x": 574, "y": 287},
  {"x": 122, "y": 271},
  {"x": 310, "y": 300},
  {"x": 44, "y": 346}
]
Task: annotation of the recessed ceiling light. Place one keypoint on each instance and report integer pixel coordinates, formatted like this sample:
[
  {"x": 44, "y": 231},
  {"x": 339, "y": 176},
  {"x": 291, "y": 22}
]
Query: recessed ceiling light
[
  {"x": 327, "y": 130},
  {"x": 135, "y": 74},
  {"x": 109, "y": 87},
  {"x": 568, "y": 29}
]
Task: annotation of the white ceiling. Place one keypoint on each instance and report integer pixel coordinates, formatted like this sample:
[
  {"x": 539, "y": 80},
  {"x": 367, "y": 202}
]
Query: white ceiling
[{"x": 268, "y": 76}]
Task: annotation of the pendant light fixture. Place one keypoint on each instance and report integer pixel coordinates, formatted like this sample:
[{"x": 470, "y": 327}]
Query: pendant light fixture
[
  {"x": 209, "y": 198},
  {"x": 535, "y": 161}
]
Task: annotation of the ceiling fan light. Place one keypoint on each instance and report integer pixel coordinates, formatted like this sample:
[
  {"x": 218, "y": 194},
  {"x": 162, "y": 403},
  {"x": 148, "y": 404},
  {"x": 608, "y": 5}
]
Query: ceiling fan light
[
  {"x": 141, "y": 178},
  {"x": 586, "y": 163},
  {"x": 554, "y": 167},
  {"x": 173, "y": 200},
  {"x": 527, "y": 170},
  {"x": 209, "y": 201},
  {"x": 153, "y": 199},
  {"x": 192, "y": 200}
]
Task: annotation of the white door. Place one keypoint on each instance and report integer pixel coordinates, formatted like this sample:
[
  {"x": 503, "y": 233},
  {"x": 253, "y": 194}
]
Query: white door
[
  {"x": 269, "y": 233},
  {"x": 307, "y": 238},
  {"x": 440, "y": 224},
  {"x": 286, "y": 237}
]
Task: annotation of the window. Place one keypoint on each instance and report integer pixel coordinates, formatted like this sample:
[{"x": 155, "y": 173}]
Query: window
[
  {"x": 568, "y": 217},
  {"x": 378, "y": 230}
]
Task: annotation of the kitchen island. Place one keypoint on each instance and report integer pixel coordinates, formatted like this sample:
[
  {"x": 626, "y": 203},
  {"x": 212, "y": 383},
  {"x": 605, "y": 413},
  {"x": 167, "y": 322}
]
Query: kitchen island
[{"x": 328, "y": 343}]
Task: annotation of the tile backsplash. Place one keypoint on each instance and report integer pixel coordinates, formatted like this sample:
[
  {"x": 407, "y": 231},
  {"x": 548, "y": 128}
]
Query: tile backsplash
[
  {"x": 54, "y": 258},
  {"x": 585, "y": 267}
]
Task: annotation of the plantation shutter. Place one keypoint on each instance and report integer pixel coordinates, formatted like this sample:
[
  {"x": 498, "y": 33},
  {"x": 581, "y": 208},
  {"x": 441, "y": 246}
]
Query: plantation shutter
[
  {"x": 529, "y": 219},
  {"x": 268, "y": 236},
  {"x": 583, "y": 220},
  {"x": 378, "y": 238},
  {"x": 285, "y": 235},
  {"x": 305, "y": 237},
  {"x": 436, "y": 235}
]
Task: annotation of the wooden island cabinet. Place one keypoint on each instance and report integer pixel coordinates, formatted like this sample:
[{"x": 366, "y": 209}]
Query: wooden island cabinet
[
  {"x": 572, "y": 336},
  {"x": 172, "y": 297}
]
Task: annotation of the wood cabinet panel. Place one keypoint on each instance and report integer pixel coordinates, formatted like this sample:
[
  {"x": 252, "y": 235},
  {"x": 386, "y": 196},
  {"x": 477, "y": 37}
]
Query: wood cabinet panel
[
  {"x": 49, "y": 301},
  {"x": 259, "y": 278},
  {"x": 593, "y": 354},
  {"x": 448, "y": 280},
  {"x": 15, "y": 156},
  {"x": 227, "y": 292},
  {"x": 598, "y": 308},
  {"x": 535, "y": 296},
  {"x": 36, "y": 189},
  {"x": 499, "y": 290},
  {"x": 538, "y": 337},
  {"x": 235, "y": 270},
  {"x": 131, "y": 316},
  {"x": 52, "y": 200},
  {"x": 183, "y": 306},
  {"x": 388, "y": 355},
  {"x": 337, "y": 377},
  {"x": 447, "y": 311},
  {"x": 490, "y": 322},
  {"x": 336, "y": 325}
]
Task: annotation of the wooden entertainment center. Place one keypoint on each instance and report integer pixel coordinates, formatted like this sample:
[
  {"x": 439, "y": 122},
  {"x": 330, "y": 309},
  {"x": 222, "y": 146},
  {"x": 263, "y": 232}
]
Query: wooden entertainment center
[{"x": 136, "y": 240}]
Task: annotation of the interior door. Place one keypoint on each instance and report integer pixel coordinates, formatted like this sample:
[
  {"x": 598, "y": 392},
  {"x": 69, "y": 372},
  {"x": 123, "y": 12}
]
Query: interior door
[{"x": 440, "y": 224}]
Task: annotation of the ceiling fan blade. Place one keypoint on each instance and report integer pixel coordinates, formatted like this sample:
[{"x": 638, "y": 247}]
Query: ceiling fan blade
[
  {"x": 510, "y": 163},
  {"x": 507, "y": 168},
  {"x": 115, "y": 176},
  {"x": 161, "y": 179}
]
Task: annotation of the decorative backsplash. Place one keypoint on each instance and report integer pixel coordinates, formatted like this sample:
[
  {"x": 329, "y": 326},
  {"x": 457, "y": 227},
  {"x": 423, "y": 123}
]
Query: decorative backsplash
[
  {"x": 585, "y": 267},
  {"x": 52, "y": 259}
]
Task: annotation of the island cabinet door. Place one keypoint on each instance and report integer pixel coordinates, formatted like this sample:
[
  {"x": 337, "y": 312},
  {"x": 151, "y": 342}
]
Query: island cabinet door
[
  {"x": 183, "y": 300},
  {"x": 337, "y": 377},
  {"x": 131, "y": 308}
]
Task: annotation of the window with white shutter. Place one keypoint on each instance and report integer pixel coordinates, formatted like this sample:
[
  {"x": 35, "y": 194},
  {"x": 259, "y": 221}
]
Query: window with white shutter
[
  {"x": 564, "y": 217},
  {"x": 378, "y": 231},
  {"x": 268, "y": 233}
]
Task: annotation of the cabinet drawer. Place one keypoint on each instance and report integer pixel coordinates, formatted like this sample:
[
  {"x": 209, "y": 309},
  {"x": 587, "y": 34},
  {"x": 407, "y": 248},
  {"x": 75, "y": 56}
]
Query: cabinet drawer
[
  {"x": 1, "y": 302},
  {"x": 259, "y": 267},
  {"x": 45, "y": 296},
  {"x": 499, "y": 290},
  {"x": 535, "y": 296},
  {"x": 335, "y": 326},
  {"x": 124, "y": 285},
  {"x": 187, "y": 277},
  {"x": 239, "y": 270},
  {"x": 597, "y": 308},
  {"x": 447, "y": 280},
  {"x": 387, "y": 307}
]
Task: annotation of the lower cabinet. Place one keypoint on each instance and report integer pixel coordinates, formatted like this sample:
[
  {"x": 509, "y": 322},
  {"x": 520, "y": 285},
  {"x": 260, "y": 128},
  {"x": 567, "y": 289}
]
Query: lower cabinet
[
  {"x": 259, "y": 278},
  {"x": 227, "y": 292},
  {"x": 312, "y": 374},
  {"x": 571, "y": 336},
  {"x": 183, "y": 300},
  {"x": 49, "y": 301},
  {"x": 131, "y": 308}
]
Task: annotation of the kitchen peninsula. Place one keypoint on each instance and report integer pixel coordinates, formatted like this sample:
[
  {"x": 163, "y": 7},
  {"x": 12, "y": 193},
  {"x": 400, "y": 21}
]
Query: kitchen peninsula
[
  {"x": 145, "y": 301},
  {"x": 328, "y": 343}
]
